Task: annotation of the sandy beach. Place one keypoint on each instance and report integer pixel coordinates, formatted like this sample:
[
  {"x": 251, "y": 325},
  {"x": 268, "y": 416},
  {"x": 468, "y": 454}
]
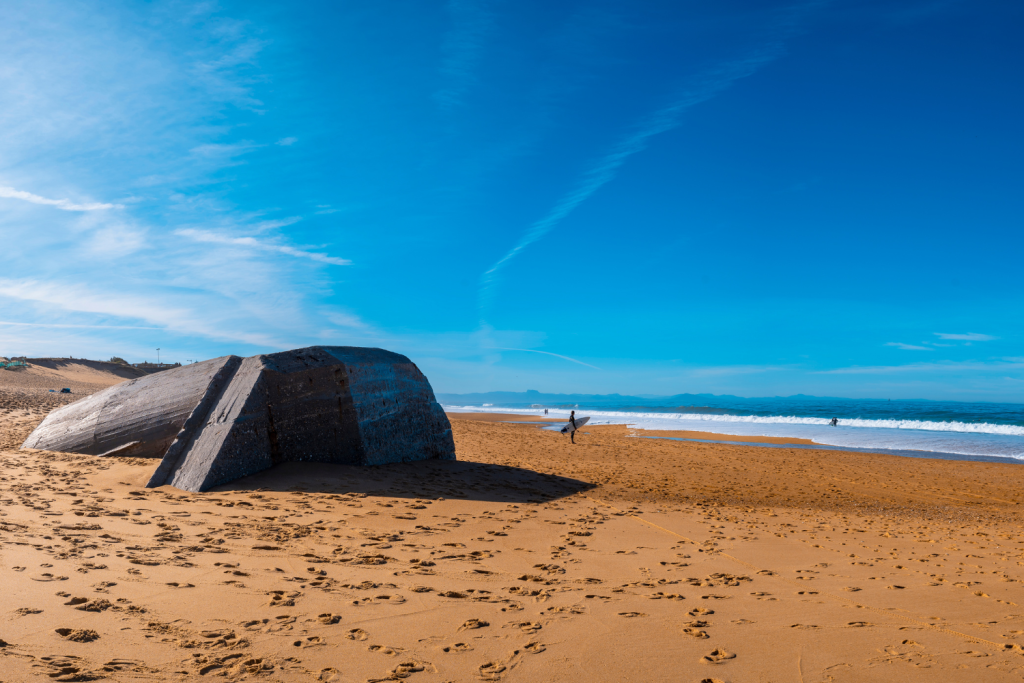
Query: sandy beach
[{"x": 527, "y": 559}]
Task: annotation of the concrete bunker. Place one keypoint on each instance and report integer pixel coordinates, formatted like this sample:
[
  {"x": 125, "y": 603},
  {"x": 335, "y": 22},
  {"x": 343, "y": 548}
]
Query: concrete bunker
[{"x": 222, "y": 419}]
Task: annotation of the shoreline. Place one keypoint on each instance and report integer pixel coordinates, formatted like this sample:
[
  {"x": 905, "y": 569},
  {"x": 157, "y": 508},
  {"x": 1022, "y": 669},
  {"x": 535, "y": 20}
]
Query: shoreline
[
  {"x": 982, "y": 446},
  {"x": 731, "y": 439}
]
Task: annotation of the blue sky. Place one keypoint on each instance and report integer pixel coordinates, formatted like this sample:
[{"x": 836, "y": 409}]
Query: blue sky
[{"x": 756, "y": 198}]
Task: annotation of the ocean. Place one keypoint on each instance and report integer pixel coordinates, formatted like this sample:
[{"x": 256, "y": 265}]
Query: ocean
[{"x": 924, "y": 428}]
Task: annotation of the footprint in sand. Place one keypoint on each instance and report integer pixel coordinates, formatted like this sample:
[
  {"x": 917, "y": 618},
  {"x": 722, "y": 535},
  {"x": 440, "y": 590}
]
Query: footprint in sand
[
  {"x": 329, "y": 619},
  {"x": 406, "y": 670},
  {"x": 491, "y": 671},
  {"x": 527, "y": 626},
  {"x": 630, "y": 615},
  {"x": 282, "y": 598},
  {"x": 456, "y": 648},
  {"x": 386, "y": 650},
  {"x": 357, "y": 634},
  {"x": 670, "y": 596},
  {"x": 67, "y": 668},
  {"x": 699, "y": 611},
  {"x": 473, "y": 624},
  {"x": 696, "y": 633},
  {"x": 717, "y": 656},
  {"x": 309, "y": 641},
  {"x": 77, "y": 635},
  {"x": 49, "y": 577},
  {"x": 25, "y": 611},
  {"x": 329, "y": 675},
  {"x": 860, "y": 624}
]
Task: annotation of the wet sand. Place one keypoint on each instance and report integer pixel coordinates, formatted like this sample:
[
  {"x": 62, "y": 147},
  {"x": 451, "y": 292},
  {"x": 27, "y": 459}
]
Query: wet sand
[{"x": 529, "y": 559}]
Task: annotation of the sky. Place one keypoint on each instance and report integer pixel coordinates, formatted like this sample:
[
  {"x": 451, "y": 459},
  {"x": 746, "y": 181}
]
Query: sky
[{"x": 650, "y": 198}]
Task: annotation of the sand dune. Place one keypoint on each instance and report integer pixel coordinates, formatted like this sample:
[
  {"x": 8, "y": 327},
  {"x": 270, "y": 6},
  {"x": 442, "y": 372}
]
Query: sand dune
[{"x": 528, "y": 559}]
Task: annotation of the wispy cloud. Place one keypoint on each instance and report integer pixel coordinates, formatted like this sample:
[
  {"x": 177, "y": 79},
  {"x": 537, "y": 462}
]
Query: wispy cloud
[
  {"x": 970, "y": 336},
  {"x": 223, "y": 153},
  {"x": 908, "y": 347},
  {"x": 73, "y": 327},
  {"x": 548, "y": 353},
  {"x": 156, "y": 311},
  {"x": 287, "y": 142},
  {"x": 700, "y": 90},
  {"x": 151, "y": 101},
  {"x": 264, "y": 226},
  {"x": 116, "y": 240},
  {"x": 62, "y": 204},
  {"x": 347, "y": 320},
  {"x": 262, "y": 245}
]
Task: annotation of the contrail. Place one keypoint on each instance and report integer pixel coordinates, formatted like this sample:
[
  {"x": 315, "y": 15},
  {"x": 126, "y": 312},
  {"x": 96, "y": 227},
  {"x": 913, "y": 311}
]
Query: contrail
[
  {"x": 548, "y": 353},
  {"x": 662, "y": 120}
]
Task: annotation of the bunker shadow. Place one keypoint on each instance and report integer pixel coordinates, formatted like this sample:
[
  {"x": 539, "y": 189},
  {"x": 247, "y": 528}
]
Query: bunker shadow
[{"x": 449, "y": 479}]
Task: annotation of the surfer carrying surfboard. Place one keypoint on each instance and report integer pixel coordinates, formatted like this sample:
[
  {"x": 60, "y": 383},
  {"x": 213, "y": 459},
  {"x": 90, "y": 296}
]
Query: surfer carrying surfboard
[{"x": 573, "y": 424}]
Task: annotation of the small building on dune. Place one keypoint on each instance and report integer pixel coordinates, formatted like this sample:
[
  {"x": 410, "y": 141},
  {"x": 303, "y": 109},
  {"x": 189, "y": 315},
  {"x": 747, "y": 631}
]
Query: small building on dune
[{"x": 212, "y": 422}]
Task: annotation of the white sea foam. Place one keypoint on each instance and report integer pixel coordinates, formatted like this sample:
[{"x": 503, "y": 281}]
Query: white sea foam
[{"x": 962, "y": 438}]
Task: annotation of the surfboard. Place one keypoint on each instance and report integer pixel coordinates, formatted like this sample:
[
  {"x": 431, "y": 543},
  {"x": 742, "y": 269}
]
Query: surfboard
[{"x": 580, "y": 421}]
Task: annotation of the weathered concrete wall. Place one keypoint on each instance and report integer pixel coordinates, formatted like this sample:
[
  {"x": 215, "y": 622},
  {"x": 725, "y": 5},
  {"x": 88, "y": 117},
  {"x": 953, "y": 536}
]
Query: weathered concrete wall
[
  {"x": 234, "y": 442},
  {"x": 234, "y": 417},
  {"x": 139, "y": 417},
  {"x": 388, "y": 395}
]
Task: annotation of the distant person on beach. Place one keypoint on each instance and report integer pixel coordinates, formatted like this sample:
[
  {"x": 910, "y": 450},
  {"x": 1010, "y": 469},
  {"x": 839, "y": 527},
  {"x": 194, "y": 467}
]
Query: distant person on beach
[
  {"x": 834, "y": 422},
  {"x": 572, "y": 421}
]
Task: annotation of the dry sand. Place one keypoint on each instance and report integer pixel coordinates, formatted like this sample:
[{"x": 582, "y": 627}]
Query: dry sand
[{"x": 529, "y": 559}]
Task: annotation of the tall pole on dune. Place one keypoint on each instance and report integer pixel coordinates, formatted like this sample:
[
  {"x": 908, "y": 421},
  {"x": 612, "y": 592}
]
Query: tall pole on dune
[{"x": 158, "y": 356}]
